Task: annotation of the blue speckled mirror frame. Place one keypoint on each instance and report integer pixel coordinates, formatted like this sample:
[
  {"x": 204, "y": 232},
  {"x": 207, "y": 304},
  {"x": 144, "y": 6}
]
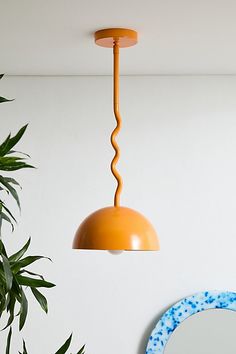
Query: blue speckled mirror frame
[{"x": 189, "y": 306}]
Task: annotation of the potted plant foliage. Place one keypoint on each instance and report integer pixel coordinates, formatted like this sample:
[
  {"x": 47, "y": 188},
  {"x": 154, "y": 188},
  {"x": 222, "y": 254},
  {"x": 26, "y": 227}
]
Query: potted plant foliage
[{"x": 15, "y": 274}]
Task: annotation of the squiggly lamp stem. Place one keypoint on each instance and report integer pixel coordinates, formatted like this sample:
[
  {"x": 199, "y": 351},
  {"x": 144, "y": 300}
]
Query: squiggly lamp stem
[{"x": 118, "y": 126}]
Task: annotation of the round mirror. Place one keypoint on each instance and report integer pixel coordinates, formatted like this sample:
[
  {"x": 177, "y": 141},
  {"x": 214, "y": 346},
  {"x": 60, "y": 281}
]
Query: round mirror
[
  {"x": 207, "y": 332},
  {"x": 200, "y": 324}
]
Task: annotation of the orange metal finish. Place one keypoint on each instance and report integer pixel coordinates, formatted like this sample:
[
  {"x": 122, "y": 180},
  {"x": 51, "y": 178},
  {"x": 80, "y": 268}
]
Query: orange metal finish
[
  {"x": 118, "y": 127},
  {"x": 106, "y": 37},
  {"x": 116, "y": 228}
]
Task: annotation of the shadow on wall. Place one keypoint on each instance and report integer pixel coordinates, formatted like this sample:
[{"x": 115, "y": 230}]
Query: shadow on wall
[{"x": 147, "y": 332}]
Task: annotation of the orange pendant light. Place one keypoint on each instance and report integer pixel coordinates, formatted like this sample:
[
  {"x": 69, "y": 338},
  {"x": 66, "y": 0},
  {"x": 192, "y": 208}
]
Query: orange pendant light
[{"x": 116, "y": 228}]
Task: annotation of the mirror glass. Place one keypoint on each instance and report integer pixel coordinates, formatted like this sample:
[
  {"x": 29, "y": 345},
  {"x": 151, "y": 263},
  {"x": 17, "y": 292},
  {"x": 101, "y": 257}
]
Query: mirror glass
[{"x": 207, "y": 332}]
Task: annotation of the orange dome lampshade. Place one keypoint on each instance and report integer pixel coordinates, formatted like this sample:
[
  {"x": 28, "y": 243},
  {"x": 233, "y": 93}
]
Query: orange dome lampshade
[{"x": 116, "y": 228}]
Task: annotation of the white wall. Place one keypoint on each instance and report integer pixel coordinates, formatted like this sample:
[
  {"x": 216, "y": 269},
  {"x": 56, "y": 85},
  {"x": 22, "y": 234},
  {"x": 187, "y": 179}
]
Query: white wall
[{"x": 179, "y": 167}]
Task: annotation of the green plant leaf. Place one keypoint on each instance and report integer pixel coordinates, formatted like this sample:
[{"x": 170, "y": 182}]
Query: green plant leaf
[
  {"x": 41, "y": 299},
  {"x": 4, "y": 144},
  {"x": 9, "y": 341},
  {"x": 2, "y": 249},
  {"x": 18, "y": 152},
  {"x": 11, "y": 308},
  {"x": 8, "y": 300},
  {"x": 8, "y": 211},
  {"x": 16, "y": 289},
  {"x": 7, "y": 272},
  {"x": 4, "y": 189},
  {"x": 1, "y": 224},
  {"x": 23, "y": 310},
  {"x": 24, "y": 349},
  {"x": 13, "y": 181},
  {"x": 65, "y": 346},
  {"x": 3, "y": 99},
  {"x": 2, "y": 272},
  {"x": 16, "y": 256},
  {"x": 13, "y": 164},
  {"x": 35, "y": 283},
  {"x": 25, "y": 262},
  {"x": 9, "y": 142},
  {"x": 3, "y": 298},
  {"x": 3, "y": 216},
  {"x": 81, "y": 351},
  {"x": 31, "y": 273},
  {"x": 11, "y": 190}
]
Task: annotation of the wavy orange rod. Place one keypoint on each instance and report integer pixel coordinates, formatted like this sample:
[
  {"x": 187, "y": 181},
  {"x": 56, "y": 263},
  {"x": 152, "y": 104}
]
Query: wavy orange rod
[{"x": 118, "y": 126}]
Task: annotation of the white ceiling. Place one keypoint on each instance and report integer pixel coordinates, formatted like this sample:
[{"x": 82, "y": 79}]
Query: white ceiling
[{"x": 55, "y": 37}]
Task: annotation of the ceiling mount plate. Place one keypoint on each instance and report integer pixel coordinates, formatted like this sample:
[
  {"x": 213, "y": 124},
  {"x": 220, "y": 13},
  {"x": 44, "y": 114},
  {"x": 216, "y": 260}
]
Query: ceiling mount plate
[{"x": 125, "y": 37}]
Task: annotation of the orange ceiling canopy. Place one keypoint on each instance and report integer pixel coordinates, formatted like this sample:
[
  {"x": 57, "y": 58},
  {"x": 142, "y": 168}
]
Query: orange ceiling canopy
[{"x": 116, "y": 228}]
